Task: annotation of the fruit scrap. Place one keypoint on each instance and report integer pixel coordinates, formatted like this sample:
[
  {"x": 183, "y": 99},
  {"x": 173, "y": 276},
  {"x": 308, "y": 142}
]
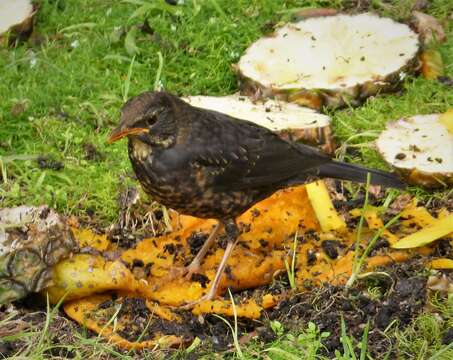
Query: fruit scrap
[
  {"x": 248, "y": 309},
  {"x": 328, "y": 218},
  {"x": 85, "y": 274},
  {"x": 438, "y": 229},
  {"x": 140, "y": 276},
  {"x": 16, "y": 21},
  {"x": 101, "y": 314},
  {"x": 432, "y": 64},
  {"x": 329, "y": 61},
  {"x": 371, "y": 215},
  {"x": 32, "y": 241},
  {"x": 87, "y": 238},
  {"x": 441, "y": 264},
  {"x": 426, "y": 158}
]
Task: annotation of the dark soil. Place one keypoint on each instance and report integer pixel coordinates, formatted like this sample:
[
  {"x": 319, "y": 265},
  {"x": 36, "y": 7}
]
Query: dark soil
[
  {"x": 196, "y": 241},
  {"x": 214, "y": 333},
  {"x": 325, "y": 307},
  {"x": 48, "y": 162},
  {"x": 448, "y": 337},
  {"x": 92, "y": 153},
  {"x": 331, "y": 248},
  {"x": 31, "y": 317}
]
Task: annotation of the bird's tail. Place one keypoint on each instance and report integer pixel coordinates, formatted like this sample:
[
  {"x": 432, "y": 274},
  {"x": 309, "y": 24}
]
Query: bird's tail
[{"x": 351, "y": 172}]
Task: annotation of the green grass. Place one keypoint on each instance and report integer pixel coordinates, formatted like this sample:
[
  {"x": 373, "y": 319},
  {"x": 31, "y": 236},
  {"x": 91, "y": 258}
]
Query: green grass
[
  {"x": 71, "y": 80},
  {"x": 74, "y": 77}
]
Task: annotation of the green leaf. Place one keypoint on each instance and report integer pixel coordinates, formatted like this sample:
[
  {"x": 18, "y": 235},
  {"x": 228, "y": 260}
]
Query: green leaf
[
  {"x": 129, "y": 42},
  {"x": 141, "y": 11}
]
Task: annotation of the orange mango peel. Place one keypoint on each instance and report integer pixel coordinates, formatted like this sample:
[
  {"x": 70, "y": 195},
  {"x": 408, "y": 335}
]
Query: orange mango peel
[{"x": 268, "y": 235}]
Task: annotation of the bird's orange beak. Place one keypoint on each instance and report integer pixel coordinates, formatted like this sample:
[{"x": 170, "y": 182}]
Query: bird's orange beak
[{"x": 119, "y": 133}]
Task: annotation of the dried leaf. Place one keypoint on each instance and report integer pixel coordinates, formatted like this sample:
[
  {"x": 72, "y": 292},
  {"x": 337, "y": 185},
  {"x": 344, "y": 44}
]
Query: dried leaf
[
  {"x": 401, "y": 202},
  {"x": 315, "y": 12},
  {"x": 18, "y": 108},
  {"x": 432, "y": 64},
  {"x": 440, "y": 283},
  {"x": 428, "y": 27}
]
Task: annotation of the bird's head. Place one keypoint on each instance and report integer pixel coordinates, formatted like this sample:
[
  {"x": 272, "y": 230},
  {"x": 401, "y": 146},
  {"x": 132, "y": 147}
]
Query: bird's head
[{"x": 148, "y": 117}]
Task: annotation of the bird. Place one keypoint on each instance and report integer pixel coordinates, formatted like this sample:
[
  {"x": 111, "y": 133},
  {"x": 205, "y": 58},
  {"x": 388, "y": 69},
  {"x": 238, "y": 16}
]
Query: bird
[{"x": 208, "y": 164}]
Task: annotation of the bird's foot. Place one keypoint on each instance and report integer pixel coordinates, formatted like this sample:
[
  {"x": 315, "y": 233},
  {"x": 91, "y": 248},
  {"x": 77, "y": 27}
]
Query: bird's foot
[
  {"x": 207, "y": 297},
  {"x": 185, "y": 272}
]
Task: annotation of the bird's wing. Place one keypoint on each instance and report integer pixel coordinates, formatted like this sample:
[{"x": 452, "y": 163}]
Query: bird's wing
[{"x": 239, "y": 155}]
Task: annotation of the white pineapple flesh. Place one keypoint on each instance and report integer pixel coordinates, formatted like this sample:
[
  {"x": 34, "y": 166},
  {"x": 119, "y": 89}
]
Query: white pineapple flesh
[
  {"x": 421, "y": 147},
  {"x": 14, "y": 12}
]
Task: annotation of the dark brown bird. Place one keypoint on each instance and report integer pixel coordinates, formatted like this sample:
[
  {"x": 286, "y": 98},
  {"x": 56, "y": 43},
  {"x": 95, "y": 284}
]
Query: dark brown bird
[{"x": 210, "y": 165}]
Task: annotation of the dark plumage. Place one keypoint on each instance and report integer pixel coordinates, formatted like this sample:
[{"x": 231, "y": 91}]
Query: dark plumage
[{"x": 210, "y": 165}]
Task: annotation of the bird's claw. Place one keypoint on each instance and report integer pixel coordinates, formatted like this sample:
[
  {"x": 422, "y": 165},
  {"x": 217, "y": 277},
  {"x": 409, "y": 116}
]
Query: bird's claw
[
  {"x": 192, "y": 304},
  {"x": 185, "y": 272}
]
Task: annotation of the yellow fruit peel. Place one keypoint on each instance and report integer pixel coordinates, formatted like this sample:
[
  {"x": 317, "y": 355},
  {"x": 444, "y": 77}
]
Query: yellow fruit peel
[
  {"x": 86, "y": 274},
  {"x": 92, "y": 315},
  {"x": 436, "y": 230},
  {"x": 87, "y": 238},
  {"x": 328, "y": 218},
  {"x": 267, "y": 240},
  {"x": 442, "y": 264}
]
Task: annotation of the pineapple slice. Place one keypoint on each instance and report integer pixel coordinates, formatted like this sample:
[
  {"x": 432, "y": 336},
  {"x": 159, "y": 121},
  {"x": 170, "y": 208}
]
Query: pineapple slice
[
  {"x": 291, "y": 121},
  {"x": 16, "y": 20},
  {"x": 330, "y": 61},
  {"x": 420, "y": 148},
  {"x": 32, "y": 241}
]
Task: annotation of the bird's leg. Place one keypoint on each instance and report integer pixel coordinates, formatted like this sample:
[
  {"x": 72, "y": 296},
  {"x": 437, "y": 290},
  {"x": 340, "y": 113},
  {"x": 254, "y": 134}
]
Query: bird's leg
[
  {"x": 232, "y": 232},
  {"x": 220, "y": 270},
  {"x": 194, "y": 266}
]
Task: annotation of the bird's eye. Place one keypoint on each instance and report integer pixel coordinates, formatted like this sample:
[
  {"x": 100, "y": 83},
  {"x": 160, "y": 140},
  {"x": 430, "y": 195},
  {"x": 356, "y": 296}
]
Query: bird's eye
[
  {"x": 151, "y": 120},
  {"x": 151, "y": 116}
]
